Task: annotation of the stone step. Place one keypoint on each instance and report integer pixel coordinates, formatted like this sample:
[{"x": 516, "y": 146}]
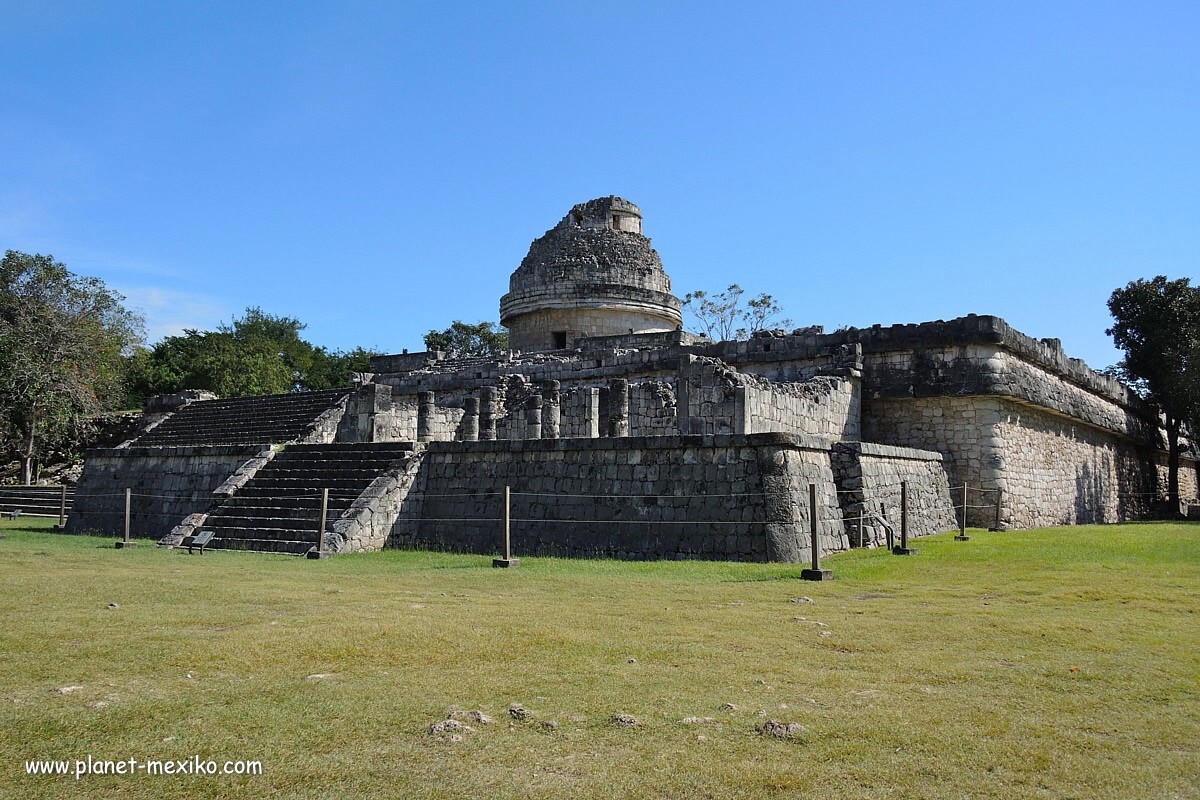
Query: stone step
[
  {"x": 234, "y": 532},
  {"x": 269, "y": 546},
  {"x": 309, "y": 463},
  {"x": 351, "y": 447},
  {"x": 300, "y": 517},
  {"x": 278, "y": 509},
  {"x": 274, "y": 499},
  {"x": 267, "y": 523},
  {"x": 331, "y": 482},
  {"x": 299, "y": 491},
  {"x": 316, "y": 473}
]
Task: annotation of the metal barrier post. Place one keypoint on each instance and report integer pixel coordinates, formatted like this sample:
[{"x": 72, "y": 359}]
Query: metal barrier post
[
  {"x": 962, "y": 526},
  {"x": 904, "y": 549}
]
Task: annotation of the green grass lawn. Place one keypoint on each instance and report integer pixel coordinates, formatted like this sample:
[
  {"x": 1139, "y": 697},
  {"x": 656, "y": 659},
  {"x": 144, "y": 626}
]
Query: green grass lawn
[{"x": 1058, "y": 663}]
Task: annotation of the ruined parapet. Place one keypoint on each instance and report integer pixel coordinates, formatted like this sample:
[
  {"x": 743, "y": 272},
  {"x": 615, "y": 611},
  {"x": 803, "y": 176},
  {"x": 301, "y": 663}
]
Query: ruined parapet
[
  {"x": 593, "y": 274},
  {"x": 715, "y": 398},
  {"x": 406, "y": 362}
]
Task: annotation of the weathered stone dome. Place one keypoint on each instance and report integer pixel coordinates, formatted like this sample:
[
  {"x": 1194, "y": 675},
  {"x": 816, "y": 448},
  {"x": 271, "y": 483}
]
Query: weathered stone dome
[{"x": 592, "y": 274}]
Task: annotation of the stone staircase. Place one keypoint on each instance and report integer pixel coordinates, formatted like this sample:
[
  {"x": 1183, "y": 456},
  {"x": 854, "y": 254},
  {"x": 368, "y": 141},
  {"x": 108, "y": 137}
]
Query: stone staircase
[
  {"x": 277, "y": 510},
  {"x": 269, "y": 419}
]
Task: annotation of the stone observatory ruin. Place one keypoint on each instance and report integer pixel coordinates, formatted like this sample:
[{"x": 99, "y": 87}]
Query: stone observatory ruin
[{"x": 620, "y": 435}]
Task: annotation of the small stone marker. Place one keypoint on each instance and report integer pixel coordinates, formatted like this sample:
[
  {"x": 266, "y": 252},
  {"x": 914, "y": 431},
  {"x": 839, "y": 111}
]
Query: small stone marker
[{"x": 782, "y": 730}]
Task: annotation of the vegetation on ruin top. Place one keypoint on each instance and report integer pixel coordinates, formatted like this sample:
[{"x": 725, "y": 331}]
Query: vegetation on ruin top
[{"x": 1056, "y": 662}]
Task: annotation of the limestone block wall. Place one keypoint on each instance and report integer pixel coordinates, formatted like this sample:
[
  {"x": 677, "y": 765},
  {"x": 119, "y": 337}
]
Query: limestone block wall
[
  {"x": 579, "y": 410},
  {"x": 168, "y": 483},
  {"x": 963, "y": 429},
  {"x": 368, "y": 416},
  {"x": 652, "y": 409},
  {"x": 325, "y": 427},
  {"x": 1049, "y": 469},
  {"x": 1059, "y": 471},
  {"x": 822, "y": 406},
  {"x": 404, "y": 417},
  {"x": 869, "y": 478},
  {"x": 711, "y": 398},
  {"x": 1189, "y": 478},
  {"x": 676, "y": 497},
  {"x": 714, "y": 398}
]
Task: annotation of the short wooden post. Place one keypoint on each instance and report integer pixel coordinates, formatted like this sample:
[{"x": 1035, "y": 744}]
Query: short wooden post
[
  {"x": 962, "y": 526},
  {"x": 507, "y": 561},
  {"x": 904, "y": 549},
  {"x": 62, "y": 507},
  {"x": 862, "y": 532},
  {"x": 815, "y": 573},
  {"x": 997, "y": 526},
  {"x": 125, "y": 542}
]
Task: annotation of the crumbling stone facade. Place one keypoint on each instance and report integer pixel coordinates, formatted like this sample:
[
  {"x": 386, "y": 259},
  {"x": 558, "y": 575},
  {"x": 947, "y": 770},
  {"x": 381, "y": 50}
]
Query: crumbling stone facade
[
  {"x": 593, "y": 274},
  {"x": 623, "y": 436}
]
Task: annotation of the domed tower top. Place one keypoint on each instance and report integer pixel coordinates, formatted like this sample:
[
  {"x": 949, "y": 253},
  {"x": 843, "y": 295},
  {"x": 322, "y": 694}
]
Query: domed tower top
[{"x": 593, "y": 274}]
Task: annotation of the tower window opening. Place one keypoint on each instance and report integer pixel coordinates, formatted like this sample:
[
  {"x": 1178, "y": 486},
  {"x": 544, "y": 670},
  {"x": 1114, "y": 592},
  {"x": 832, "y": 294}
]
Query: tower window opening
[{"x": 560, "y": 340}]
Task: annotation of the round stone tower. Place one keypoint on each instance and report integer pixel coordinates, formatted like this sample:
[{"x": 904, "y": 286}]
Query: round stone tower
[{"x": 593, "y": 274}]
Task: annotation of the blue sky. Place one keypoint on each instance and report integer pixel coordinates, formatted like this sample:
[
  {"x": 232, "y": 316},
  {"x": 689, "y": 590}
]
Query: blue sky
[{"x": 379, "y": 169}]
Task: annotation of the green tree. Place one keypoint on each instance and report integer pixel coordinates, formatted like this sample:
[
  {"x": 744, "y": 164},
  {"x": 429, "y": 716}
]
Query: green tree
[
  {"x": 257, "y": 353},
  {"x": 333, "y": 370},
  {"x": 483, "y": 340},
  {"x": 722, "y": 316},
  {"x": 62, "y": 339},
  {"x": 1157, "y": 324}
]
